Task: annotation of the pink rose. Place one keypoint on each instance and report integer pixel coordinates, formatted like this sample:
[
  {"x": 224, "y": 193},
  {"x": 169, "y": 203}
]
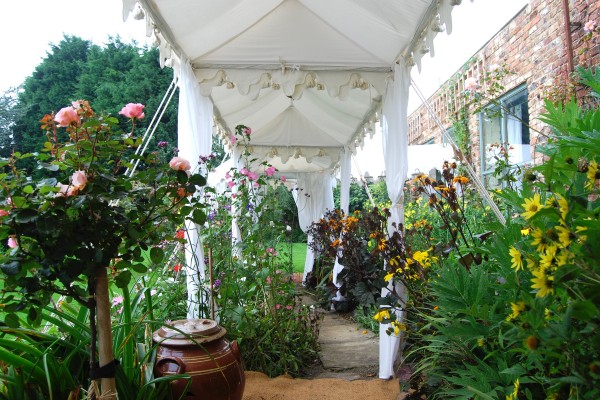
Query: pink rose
[
  {"x": 230, "y": 184},
  {"x": 180, "y": 164},
  {"x": 3, "y": 213},
  {"x": 590, "y": 25},
  {"x": 244, "y": 171},
  {"x": 471, "y": 84},
  {"x": 233, "y": 139},
  {"x": 247, "y": 131},
  {"x": 12, "y": 242},
  {"x": 252, "y": 175},
  {"x": 133, "y": 110},
  {"x": 270, "y": 171},
  {"x": 227, "y": 175},
  {"x": 79, "y": 180},
  {"x": 66, "y": 116},
  {"x": 283, "y": 178}
]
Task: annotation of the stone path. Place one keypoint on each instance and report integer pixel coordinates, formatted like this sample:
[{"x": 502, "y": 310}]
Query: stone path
[{"x": 347, "y": 351}]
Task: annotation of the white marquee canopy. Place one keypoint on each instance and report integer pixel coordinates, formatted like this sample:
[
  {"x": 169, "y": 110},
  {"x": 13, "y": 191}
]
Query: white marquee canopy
[{"x": 309, "y": 77}]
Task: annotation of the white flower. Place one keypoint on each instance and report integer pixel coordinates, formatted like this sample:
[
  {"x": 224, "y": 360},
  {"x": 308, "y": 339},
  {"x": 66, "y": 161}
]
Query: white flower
[{"x": 288, "y": 228}]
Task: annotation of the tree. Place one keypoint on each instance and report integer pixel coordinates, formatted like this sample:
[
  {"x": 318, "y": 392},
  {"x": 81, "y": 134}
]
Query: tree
[
  {"x": 9, "y": 113},
  {"x": 108, "y": 77},
  {"x": 358, "y": 197}
]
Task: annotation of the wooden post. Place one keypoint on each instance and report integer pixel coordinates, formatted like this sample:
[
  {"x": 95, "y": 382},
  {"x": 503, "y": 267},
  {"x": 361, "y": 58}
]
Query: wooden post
[{"x": 108, "y": 386}]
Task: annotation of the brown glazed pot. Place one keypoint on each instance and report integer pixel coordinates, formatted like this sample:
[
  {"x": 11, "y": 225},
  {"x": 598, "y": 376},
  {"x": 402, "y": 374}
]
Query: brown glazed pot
[{"x": 201, "y": 351}]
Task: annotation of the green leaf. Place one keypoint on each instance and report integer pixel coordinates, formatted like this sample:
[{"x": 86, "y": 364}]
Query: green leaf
[
  {"x": 12, "y": 321},
  {"x": 584, "y": 310},
  {"x": 123, "y": 279},
  {"x": 199, "y": 216},
  {"x": 25, "y": 215},
  {"x": 11, "y": 268},
  {"x": 182, "y": 177},
  {"x": 157, "y": 255},
  {"x": 197, "y": 179},
  {"x": 132, "y": 232},
  {"x": 139, "y": 267}
]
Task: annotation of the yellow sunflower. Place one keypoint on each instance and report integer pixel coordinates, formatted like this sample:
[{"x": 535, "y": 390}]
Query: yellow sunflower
[
  {"x": 381, "y": 315},
  {"x": 516, "y": 258},
  {"x": 532, "y": 206},
  {"x": 543, "y": 283},
  {"x": 517, "y": 309}
]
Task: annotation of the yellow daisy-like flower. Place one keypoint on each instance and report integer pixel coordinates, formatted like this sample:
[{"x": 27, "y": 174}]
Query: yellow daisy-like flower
[
  {"x": 543, "y": 283},
  {"x": 525, "y": 231},
  {"x": 381, "y": 315},
  {"x": 592, "y": 175},
  {"x": 516, "y": 258},
  {"x": 398, "y": 326},
  {"x": 517, "y": 309},
  {"x": 578, "y": 230},
  {"x": 422, "y": 257},
  {"x": 532, "y": 264},
  {"x": 564, "y": 236},
  {"x": 460, "y": 179},
  {"x": 388, "y": 277},
  {"x": 540, "y": 239},
  {"x": 515, "y": 392},
  {"x": 563, "y": 207},
  {"x": 382, "y": 245},
  {"x": 549, "y": 258},
  {"x": 532, "y": 206}
]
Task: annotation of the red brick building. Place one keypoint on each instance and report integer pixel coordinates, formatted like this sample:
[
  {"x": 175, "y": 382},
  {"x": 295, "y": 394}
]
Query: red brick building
[{"x": 538, "y": 51}]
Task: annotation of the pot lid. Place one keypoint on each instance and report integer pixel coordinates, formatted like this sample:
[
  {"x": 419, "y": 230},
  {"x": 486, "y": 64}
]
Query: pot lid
[{"x": 184, "y": 332}]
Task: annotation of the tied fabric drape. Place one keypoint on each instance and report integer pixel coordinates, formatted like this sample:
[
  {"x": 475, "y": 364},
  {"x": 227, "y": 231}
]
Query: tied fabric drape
[
  {"x": 345, "y": 174},
  {"x": 313, "y": 197},
  {"x": 195, "y": 139},
  {"x": 395, "y": 153}
]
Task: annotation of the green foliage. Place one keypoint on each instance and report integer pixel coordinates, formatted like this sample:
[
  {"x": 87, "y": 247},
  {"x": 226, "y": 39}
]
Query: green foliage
[{"x": 522, "y": 323}]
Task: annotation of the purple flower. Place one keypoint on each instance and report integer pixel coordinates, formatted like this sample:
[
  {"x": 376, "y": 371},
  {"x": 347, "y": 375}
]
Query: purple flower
[
  {"x": 216, "y": 283},
  {"x": 211, "y": 215},
  {"x": 162, "y": 144}
]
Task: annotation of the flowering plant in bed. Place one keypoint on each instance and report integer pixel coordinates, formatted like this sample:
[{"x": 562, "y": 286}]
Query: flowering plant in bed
[
  {"x": 87, "y": 214},
  {"x": 252, "y": 283}
]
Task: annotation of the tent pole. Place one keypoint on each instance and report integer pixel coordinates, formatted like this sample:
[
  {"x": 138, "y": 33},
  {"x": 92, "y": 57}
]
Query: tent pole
[{"x": 458, "y": 152}]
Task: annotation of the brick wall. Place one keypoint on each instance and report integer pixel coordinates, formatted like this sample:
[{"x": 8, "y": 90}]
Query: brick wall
[{"x": 533, "y": 47}]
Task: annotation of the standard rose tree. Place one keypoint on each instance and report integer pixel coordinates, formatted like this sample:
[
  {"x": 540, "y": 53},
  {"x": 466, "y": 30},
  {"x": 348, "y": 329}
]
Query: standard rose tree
[{"x": 64, "y": 229}]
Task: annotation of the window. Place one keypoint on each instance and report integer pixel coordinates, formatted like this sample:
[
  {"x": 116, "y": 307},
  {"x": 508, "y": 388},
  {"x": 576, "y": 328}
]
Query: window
[{"x": 505, "y": 124}]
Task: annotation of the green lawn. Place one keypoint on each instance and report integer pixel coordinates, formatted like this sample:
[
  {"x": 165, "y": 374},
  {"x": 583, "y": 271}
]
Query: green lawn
[{"x": 298, "y": 254}]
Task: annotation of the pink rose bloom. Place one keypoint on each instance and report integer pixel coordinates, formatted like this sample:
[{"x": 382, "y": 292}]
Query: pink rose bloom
[
  {"x": 270, "y": 171},
  {"x": 227, "y": 175},
  {"x": 247, "y": 131},
  {"x": 12, "y": 242},
  {"x": 256, "y": 184},
  {"x": 244, "y": 171},
  {"x": 180, "y": 164},
  {"x": 79, "y": 180},
  {"x": 283, "y": 178},
  {"x": 252, "y": 176},
  {"x": 133, "y": 110},
  {"x": 3, "y": 213},
  {"x": 277, "y": 306},
  {"x": 230, "y": 184},
  {"x": 65, "y": 190},
  {"x": 66, "y": 116},
  {"x": 233, "y": 139},
  {"x": 590, "y": 25},
  {"x": 288, "y": 307},
  {"x": 471, "y": 84}
]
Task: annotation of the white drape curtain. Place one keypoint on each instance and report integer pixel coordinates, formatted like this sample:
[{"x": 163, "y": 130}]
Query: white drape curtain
[
  {"x": 395, "y": 153},
  {"x": 194, "y": 140},
  {"x": 314, "y": 196},
  {"x": 345, "y": 174}
]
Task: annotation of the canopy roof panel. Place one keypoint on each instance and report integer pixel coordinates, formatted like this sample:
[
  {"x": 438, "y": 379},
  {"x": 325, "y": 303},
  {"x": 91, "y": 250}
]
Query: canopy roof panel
[{"x": 303, "y": 74}]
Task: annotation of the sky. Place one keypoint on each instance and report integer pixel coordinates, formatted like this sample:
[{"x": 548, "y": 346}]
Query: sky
[{"x": 28, "y": 27}]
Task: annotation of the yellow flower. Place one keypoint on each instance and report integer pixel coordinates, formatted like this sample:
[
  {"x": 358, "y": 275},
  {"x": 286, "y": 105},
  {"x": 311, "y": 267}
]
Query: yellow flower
[
  {"x": 398, "y": 327},
  {"x": 532, "y": 206},
  {"x": 525, "y": 231},
  {"x": 381, "y": 315},
  {"x": 549, "y": 258},
  {"x": 592, "y": 175},
  {"x": 388, "y": 277},
  {"x": 540, "y": 239},
  {"x": 480, "y": 342},
  {"x": 382, "y": 245},
  {"x": 517, "y": 309},
  {"x": 460, "y": 179},
  {"x": 542, "y": 282},
  {"x": 564, "y": 236},
  {"x": 422, "y": 257},
  {"x": 516, "y": 258},
  {"x": 563, "y": 207},
  {"x": 578, "y": 230},
  {"x": 515, "y": 392}
]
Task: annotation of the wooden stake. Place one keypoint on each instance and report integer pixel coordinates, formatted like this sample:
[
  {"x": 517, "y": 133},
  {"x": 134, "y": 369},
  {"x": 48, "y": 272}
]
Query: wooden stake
[{"x": 105, "y": 343}]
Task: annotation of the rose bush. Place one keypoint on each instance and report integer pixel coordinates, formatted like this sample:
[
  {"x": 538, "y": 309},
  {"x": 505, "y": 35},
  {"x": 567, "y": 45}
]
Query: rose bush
[{"x": 86, "y": 216}]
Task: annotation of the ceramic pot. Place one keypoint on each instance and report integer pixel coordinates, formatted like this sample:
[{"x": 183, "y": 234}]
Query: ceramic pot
[{"x": 198, "y": 347}]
